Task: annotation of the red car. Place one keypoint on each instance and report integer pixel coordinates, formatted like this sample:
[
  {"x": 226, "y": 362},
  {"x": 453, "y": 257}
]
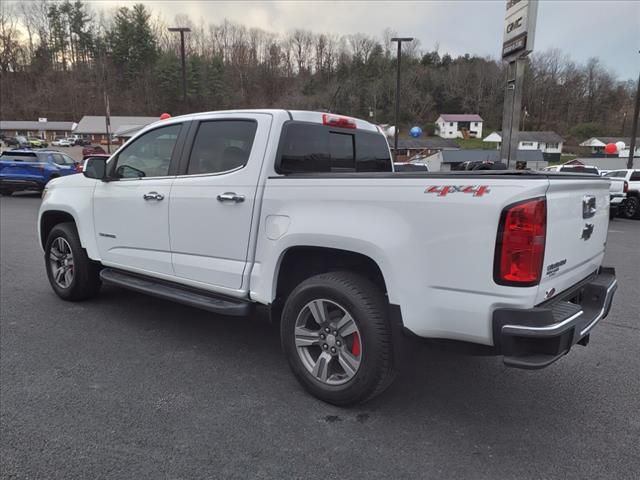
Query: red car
[
  {"x": 91, "y": 150},
  {"x": 95, "y": 155}
]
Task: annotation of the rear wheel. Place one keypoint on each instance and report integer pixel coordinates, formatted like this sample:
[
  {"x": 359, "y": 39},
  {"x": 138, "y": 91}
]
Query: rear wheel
[
  {"x": 72, "y": 274},
  {"x": 337, "y": 339},
  {"x": 631, "y": 208}
]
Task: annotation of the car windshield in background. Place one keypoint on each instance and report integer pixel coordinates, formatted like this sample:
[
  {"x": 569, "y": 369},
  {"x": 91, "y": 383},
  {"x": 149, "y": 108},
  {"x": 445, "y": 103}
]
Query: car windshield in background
[
  {"x": 62, "y": 159},
  {"x": 578, "y": 169}
]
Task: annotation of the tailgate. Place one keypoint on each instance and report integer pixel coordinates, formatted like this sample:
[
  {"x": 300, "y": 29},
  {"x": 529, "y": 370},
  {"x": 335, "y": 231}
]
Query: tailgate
[{"x": 577, "y": 224}]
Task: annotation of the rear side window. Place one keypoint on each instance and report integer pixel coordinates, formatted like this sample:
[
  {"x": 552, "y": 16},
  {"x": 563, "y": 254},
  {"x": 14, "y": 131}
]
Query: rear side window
[
  {"x": 9, "y": 156},
  {"x": 62, "y": 159},
  {"x": 618, "y": 174},
  {"x": 314, "y": 148},
  {"x": 635, "y": 176},
  {"x": 221, "y": 146}
]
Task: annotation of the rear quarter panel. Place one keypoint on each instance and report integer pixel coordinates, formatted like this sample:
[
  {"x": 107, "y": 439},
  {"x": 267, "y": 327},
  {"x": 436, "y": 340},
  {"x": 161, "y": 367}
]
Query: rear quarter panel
[{"x": 435, "y": 251}]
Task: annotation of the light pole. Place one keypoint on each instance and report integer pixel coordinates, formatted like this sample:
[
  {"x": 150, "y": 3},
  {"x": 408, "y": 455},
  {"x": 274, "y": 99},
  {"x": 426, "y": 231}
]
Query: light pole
[
  {"x": 399, "y": 40},
  {"x": 182, "y": 31},
  {"x": 634, "y": 128}
]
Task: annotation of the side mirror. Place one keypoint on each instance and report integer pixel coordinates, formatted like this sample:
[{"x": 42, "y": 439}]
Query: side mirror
[{"x": 95, "y": 168}]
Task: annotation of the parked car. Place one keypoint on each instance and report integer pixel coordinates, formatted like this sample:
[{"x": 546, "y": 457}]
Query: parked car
[
  {"x": 586, "y": 169},
  {"x": 92, "y": 150},
  {"x": 19, "y": 142},
  {"x": 301, "y": 212},
  {"x": 630, "y": 208},
  {"x": 78, "y": 140},
  {"x": 61, "y": 142},
  {"x": 410, "y": 167},
  {"x": 481, "y": 165},
  {"x": 37, "y": 142},
  {"x": 618, "y": 190},
  {"x": 103, "y": 156},
  {"x": 32, "y": 170}
]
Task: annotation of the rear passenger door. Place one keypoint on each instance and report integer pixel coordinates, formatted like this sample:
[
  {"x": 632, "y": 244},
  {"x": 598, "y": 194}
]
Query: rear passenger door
[{"x": 212, "y": 200}]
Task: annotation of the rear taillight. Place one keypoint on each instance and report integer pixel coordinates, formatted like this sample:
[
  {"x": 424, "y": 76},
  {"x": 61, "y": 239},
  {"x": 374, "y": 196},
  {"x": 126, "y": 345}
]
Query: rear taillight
[
  {"x": 520, "y": 243},
  {"x": 625, "y": 189},
  {"x": 78, "y": 167},
  {"x": 337, "y": 121}
]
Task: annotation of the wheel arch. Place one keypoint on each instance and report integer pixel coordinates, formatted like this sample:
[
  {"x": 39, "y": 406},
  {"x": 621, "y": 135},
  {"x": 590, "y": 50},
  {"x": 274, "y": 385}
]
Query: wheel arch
[
  {"x": 297, "y": 263},
  {"x": 50, "y": 219}
]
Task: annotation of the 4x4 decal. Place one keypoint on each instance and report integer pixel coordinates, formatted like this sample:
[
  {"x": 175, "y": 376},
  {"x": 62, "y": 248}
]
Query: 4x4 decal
[{"x": 444, "y": 190}]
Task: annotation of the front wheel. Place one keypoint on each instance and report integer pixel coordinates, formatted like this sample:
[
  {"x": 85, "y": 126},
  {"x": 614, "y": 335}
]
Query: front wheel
[
  {"x": 336, "y": 336},
  {"x": 72, "y": 274}
]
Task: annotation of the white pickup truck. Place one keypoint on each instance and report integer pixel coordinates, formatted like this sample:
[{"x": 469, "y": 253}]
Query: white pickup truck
[
  {"x": 302, "y": 212},
  {"x": 629, "y": 206}
]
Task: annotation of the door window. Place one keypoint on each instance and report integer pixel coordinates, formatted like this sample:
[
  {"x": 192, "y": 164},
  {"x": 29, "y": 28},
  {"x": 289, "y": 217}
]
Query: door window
[
  {"x": 221, "y": 146},
  {"x": 149, "y": 155},
  {"x": 60, "y": 159}
]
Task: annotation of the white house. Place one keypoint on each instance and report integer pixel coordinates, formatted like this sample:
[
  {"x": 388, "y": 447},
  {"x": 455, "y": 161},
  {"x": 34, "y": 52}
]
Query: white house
[
  {"x": 465, "y": 125},
  {"x": 549, "y": 143},
  {"x": 597, "y": 145}
]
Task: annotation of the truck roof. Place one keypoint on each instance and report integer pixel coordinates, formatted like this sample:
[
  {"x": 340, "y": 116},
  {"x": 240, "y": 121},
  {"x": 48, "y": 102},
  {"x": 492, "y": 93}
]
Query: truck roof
[{"x": 297, "y": 115}]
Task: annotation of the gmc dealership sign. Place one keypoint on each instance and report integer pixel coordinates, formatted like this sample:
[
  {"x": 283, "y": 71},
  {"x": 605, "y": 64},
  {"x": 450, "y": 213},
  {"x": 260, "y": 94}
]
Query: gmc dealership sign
[{"x": 519, "y": 28}]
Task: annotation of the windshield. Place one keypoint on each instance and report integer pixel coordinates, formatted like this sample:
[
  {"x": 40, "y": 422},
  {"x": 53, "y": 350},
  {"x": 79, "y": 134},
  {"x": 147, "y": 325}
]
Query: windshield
[{"x": 578, "y": 169}]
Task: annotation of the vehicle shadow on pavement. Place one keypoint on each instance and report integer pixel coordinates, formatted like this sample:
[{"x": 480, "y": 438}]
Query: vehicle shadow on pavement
[{"x": 431, "y": 382}]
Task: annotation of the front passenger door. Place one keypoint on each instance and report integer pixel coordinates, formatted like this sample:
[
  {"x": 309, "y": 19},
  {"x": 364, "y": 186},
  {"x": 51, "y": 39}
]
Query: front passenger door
[{"x": 131, "y": 211}]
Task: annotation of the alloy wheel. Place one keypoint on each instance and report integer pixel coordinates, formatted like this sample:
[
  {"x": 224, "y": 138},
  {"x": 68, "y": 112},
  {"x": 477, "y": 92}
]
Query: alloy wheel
[
  {"x": 328, "y": 342},
  {"x": 61, "y": 261}
]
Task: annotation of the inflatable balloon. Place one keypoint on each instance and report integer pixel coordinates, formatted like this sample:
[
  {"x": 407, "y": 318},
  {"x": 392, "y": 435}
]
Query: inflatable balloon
[
  {"x": 415, "y": 131},
  {"x": 164, "y": 116},
  {"x": 610, "y": 148},
  {"x": 620, "y": 146}
]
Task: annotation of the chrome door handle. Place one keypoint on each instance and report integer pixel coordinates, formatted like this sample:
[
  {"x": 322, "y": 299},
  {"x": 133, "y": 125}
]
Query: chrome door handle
[
  {"x": 153, "y": 196},
  {"x": 230, "y": 197}
]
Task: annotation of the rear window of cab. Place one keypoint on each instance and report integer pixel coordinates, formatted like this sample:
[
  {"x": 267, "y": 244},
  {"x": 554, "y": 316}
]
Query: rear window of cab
[{"x": 314, "y": 148}]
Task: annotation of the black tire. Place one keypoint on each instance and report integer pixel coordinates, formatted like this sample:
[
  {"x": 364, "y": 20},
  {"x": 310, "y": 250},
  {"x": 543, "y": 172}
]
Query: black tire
[
  {"x": 367, "y": 305},
  {"x": 85, "y": 282},
  {"x": 631, "y": 208},
  {"x": 6, "y": 193}
]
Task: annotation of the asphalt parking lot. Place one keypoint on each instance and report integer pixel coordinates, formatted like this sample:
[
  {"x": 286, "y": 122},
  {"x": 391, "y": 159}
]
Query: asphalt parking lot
[{"x": 128, "y": 386}]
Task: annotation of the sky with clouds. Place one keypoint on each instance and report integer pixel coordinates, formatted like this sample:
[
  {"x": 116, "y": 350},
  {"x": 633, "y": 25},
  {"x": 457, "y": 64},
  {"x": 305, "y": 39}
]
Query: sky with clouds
[{"x": 607, "y": 29}]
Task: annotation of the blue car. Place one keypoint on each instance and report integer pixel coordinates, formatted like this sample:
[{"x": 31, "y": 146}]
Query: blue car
[{"x": 25, "y": 169}]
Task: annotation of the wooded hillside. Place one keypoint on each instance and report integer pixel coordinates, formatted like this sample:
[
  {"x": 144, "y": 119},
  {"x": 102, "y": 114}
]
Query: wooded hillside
[{"x": 57, "y": 58}]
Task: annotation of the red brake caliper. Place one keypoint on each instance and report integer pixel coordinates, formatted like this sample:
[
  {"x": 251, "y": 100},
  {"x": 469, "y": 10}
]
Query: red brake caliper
[{"x": 355, "y": 348}]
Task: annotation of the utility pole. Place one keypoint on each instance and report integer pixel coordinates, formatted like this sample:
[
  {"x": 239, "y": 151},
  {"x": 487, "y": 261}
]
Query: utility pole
[
  {"x": 399, "y": 40},
  {"x": 634, "y": 127},
  {"x": 182, "y": 31}
]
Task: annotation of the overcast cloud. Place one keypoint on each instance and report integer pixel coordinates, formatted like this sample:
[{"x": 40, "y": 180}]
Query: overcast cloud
[{"x": 609, "y": 30}]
